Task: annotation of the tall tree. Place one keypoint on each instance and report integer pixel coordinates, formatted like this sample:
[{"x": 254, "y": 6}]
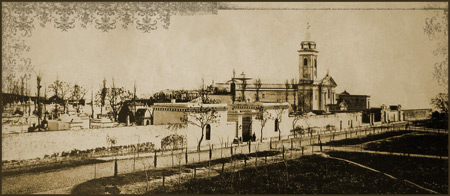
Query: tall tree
[
  {"x": 61, "y": 90},
  {"x": 263, "y": 117},
  {"x": 101, "y": 96},
  {"x": 244, "y": 86},
  {"x": 294, "y": 84},
  {"x": 77, "y": 94},
  {"x": 258, "y": 85},
  {"x": 440, "y": 102},
  {"x": 286, "y": 85},
  {"x": 279, "y": 112},
  {"x": 201, "y": 117},
  {"x": 39, "y": 110},
  {"x": 117, "y": 97},
  {"x": 296, "y": 129}
]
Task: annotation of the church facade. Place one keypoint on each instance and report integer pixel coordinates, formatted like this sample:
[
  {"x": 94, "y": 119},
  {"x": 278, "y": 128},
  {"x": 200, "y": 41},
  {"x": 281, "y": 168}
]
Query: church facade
[{"x": 309, "y": 93}]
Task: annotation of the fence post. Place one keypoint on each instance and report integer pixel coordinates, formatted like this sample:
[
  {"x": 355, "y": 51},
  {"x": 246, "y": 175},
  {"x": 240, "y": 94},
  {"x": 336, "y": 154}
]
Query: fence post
[
  {"x": 164, "y": 178},
  {"x": 223, "y": 166},
  {"x": 231, "y": 149},
  {"x": 210, "y": 153},
  {"x": 270, "y": 144},
  {"x": 283, "y": 152},
  {"x": 186, "y": 155},
  {"x": 195, "y": 172},
  {"x": 115, "y": 168},
  {"x": 249, "y": 146},
  {"x": 155, "y": 160}
]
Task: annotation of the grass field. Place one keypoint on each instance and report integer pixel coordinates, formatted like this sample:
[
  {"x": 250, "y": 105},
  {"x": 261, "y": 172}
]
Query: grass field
[
  {"x": 420, "y": 143},
  {"x": 99, "y": 186},
  {"x": 305, "y": 175},
  {"x": 427, "y": 172},
  {"x": 368, "y": 138}
]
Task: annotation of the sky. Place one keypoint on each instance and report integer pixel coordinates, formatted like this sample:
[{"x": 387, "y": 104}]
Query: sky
[{"x": 381, "y": 53}]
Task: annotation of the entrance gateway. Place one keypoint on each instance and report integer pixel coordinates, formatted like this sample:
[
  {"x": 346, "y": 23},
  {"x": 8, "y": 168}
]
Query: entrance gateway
[{"x": 246, "y": 128}]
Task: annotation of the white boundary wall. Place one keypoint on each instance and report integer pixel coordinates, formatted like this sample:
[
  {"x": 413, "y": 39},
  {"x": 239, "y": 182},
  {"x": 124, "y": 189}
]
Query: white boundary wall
[{"x": 38, "y": 144}]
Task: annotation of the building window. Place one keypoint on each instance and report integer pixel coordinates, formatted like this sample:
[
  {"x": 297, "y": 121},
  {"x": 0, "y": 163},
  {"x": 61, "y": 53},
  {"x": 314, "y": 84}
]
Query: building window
[
  {"x": 276, "y": 125},
  {"x": 263, "y": 95},
  {"x": 305, "y": 61},
  {"x": 208, "y": 132},
  {"x": 329, "y": 92},
  {"x": 315, "y": 63}
]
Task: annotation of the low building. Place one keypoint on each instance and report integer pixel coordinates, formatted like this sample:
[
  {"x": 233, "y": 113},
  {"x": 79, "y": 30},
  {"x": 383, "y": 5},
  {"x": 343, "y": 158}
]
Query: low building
[
  {"x": 187, "y": 119},
  {"x": 355, "y": 103}
]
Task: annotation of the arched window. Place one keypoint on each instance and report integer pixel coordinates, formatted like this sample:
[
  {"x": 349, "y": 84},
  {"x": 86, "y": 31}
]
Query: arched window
[
  {"x": 305, "y": 61},
  {"x": 315, "y": 63},
  {"x": 208, "y": 132},
  {"x": 276, "y": 125}
]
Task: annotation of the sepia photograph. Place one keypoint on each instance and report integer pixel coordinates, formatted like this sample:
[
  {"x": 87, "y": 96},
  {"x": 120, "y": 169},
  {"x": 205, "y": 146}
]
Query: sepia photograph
[{"x": 224, "y": 98}]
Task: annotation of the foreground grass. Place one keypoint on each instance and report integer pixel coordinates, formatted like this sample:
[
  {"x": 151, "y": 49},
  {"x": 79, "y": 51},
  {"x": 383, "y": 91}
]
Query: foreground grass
[
  {"x": 423, "y": 143},
  {"x": 113, "y": 184},
  {"x": 306, "y": 175},
  {"x": 429, "y": 173},
  {"x": 368, "y": 138}
]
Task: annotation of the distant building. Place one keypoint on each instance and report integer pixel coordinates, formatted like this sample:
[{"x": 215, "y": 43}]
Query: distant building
[
  {"x": 127, "y": 112},
  {"x": 355, "y": 103}
]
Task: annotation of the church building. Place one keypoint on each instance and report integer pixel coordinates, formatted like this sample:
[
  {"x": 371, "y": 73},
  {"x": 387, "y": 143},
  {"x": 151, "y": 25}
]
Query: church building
[{"x": 309, "y": 93}]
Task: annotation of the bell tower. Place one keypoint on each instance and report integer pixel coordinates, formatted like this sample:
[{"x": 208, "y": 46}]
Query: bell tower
[{"x": 307, "y": 59}]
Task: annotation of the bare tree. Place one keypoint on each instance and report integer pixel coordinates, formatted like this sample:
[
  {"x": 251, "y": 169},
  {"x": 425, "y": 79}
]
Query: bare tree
[
  {"x": 258, "y": 85},
  {"x": 286, "y": 85},
  {"x": 244, "y": 86},
  {"x": 77, "y": 94},
  {"x": 263, "y": 117},
  {"x": 201, "y": 117},
  {"x": 279, "y": 112},
  {"x": 61, "y": 90},
  {"x": 296, "y": 128},
  {"x": 39, "y": 109},
  {"x": 294, "y": 84},
  {"x": 117, "y": 97},
  {"x": 101, "y": 96},
  {"x": 441, "y": 102}
]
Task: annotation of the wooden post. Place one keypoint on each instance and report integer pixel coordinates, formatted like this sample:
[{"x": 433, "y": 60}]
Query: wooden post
[
  {"x": 223, "y": 166},
  {"x": 231, "y": 149},
  {"x": 292, "y": 145},
  {"x": 195, "y": 172},
  {"x": 210, "y": 153},
  {"x": 256, "y": 158},
  {"x": 155, "y": 160},
  {"x": 270, "y": 144},
  {"x": 249, "y": 146},
  {"x": 115, "y": 168},
  {"x": 303, "y": 148},
  {"x": 186, "y": 155},
  {"x": 283, "y": 152}
]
